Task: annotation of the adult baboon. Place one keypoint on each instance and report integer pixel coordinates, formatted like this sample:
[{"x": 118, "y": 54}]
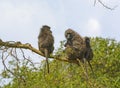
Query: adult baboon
[
  {"x": 75, "y": 43},
  {"x": 46, "y": 42}
]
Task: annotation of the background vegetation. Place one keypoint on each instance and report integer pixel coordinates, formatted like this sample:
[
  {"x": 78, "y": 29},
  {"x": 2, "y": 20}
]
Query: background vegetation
[{"x": 106, "y": 66}]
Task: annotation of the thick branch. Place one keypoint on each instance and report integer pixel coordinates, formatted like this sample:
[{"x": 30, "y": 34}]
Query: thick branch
[
  {"x": 20, "y": 45},
  {"x": 12, "y": 44}
]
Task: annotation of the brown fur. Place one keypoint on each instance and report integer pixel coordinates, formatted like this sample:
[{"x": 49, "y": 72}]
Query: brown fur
[
  {"x": 76, "y": 43},
  {"x": 78, "y": 48},
  {"x": 46, "y": 42}
]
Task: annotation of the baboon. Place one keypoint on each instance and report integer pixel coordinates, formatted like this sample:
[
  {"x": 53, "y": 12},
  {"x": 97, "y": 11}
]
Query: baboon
[
  {"x": 75, "y": 43},
  {"x": 46, "y": 42},
  {"x": 80, "y": 44},
  {"x": 89, "y": 52},
  {"x": 78, "y": 48}
]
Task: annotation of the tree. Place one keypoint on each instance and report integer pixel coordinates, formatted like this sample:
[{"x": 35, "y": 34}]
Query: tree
[{"x": 25, "y": 74}]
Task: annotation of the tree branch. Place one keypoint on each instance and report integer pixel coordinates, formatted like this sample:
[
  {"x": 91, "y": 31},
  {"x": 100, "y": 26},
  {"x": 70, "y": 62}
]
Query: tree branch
[
  {"x": 106, "y": 5},
  {"x": 13, "y": 44},
  {"x": 110, "y": 8},
  {"x": 94, "y": 2}
]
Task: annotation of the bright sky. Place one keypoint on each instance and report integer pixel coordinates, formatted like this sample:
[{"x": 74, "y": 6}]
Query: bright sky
[{"x": 21, "y": 20}]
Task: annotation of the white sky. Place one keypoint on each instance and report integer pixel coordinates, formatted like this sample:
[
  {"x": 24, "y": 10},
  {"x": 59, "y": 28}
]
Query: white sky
[{"x": 20, "y": 20}]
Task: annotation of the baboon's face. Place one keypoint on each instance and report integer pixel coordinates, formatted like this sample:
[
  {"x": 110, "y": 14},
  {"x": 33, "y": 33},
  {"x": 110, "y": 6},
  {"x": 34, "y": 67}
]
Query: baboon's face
[{"x": 69, "y": 34}]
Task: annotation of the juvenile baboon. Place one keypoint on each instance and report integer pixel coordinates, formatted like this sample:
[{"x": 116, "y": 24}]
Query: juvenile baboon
[
  {"x": 89, "y": 52},
  {"x": 46, "y": 42}
]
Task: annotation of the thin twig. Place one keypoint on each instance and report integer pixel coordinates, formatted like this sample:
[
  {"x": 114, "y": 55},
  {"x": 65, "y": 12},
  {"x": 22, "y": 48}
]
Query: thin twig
[
  {"x": 3, "y": 61},
  {"x": 27, "y": 59},
  {"x": 83, "y": 68},
  {"x": 106, "y": 5},
  {"x": 95, "y": 2}
]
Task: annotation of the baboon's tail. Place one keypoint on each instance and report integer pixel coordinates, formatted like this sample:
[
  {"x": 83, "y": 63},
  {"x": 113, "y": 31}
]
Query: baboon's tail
[{"x": 47, "y": 63}]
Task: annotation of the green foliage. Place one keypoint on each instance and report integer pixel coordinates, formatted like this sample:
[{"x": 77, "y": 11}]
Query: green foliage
[{"x": 106, "y": 66}]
